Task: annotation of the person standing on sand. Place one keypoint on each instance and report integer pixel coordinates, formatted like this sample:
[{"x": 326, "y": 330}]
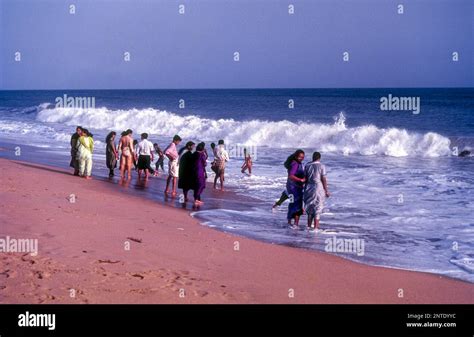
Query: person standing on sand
[
  {"x": 126, "y": 159},
  {"x": 221, "y": 157},
  {"x": 247, "y": 165},
  {"x": 294, "y": 186},
  {"x": 145, "y": 156},
  {"x": 85, "y": 147},
  {"x": 111, "y": 154},
  {"x": 74, "y": 138},
  {"x": 315, "y": 191},
  {"x": 199, "y": 172},
  {"x": 185, "y": 173},
  {"x": 172, "y": 153}
]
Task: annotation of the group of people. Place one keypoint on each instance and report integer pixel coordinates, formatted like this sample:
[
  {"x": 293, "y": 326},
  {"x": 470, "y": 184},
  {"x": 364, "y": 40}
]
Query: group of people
[
  {"x": 306, "y": 185},
  {"x": 186, "y": 167}
]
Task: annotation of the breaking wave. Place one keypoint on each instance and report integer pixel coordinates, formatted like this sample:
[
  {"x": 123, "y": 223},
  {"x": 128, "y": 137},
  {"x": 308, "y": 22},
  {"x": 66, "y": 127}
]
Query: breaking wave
[{"x": 335, "y": 138}]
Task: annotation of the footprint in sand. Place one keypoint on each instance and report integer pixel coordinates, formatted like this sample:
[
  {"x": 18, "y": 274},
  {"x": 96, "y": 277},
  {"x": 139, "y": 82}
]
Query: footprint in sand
[
  {"x": 9, "y": 273},
  {"x": 108, "y": 261},
  {"x": 27, "y": 258},
  {"x": 41, "y": 274},
  {"x": 200, "y": 293},
  {"x": 141, "y": 277},
  {"x": 134, "y": 239}
]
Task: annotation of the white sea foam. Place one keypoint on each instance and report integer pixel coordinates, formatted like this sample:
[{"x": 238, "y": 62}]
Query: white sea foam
[{"x": 336, "y": 138}]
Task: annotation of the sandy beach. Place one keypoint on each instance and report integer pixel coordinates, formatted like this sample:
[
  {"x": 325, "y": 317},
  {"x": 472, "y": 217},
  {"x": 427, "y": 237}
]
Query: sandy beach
[{"x": 111, "y": 247}]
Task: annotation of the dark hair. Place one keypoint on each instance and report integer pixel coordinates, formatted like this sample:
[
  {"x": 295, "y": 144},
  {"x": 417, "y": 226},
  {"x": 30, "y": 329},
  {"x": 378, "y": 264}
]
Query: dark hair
[
  {"x": 85, "y": 131},
  {"x": 186, "y": 147},
  {"x": 79, "y": 127},
  {"x": 129, "y": 131},
  {"x": 124, "y": 133},
  {"x": 109, "y": 136},
  {"x": 292, "y": 157},
  {"x": 155, "y": 144},
  {"x": 316, "y": 156},
  {"x": 220, "y": 142},
  {"x": 144, "y": 135},
  {"x": 200, "y": 146},
  {"x": 176, "y": 138},
  {"x": 213, "y": 145},
  {"x": 135, "y": 142}
]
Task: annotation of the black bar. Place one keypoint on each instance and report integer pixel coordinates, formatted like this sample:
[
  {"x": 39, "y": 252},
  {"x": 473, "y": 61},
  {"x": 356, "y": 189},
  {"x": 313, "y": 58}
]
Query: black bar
[{"x": 240, "y": 320}]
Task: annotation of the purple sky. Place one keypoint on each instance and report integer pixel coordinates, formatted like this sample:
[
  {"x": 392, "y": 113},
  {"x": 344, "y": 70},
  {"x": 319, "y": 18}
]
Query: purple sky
[{"x": 195, "y": 50}]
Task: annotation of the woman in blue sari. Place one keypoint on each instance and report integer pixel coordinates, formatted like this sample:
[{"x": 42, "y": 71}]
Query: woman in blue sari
[{"x": 294, "y": 186}]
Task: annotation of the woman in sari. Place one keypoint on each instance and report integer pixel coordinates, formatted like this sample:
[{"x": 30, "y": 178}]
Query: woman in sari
[
  {"x": 185, "y": 172},
  {"x": 111, "y": 154},
  {"x": 294, "y": 186},
  {"x": 199, "y": 171},
  {"x": 85, "y": 147}
]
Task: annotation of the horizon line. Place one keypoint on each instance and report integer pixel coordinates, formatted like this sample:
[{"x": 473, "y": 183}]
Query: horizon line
[{"x": 279, "y": 88}]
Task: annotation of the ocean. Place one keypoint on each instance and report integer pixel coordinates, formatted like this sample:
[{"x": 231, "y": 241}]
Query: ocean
[{"x": 396, "y": 180}]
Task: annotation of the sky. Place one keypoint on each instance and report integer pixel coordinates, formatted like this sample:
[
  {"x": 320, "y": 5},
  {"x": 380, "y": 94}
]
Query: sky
[{"x": 85, "y": 50}]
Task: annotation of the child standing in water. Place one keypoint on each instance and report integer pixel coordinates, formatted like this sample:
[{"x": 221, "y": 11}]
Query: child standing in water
[
  {"x": 247, "y": 165},
  {"x": 161, "y": 158}
]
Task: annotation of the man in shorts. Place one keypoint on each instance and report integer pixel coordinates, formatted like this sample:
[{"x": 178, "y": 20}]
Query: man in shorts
[
  {"x": 145, "y": 156},
  {"x": 220, "y": 157}
]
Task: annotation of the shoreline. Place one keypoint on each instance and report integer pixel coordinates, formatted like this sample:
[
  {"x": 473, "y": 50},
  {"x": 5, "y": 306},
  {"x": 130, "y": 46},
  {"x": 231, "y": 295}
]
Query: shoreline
[
  {"x": 217, "y": 201},
  {"x": 172, "y": 258}
]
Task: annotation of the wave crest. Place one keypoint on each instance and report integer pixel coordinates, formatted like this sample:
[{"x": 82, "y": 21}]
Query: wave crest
[{"x": 336, "y": 138}]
